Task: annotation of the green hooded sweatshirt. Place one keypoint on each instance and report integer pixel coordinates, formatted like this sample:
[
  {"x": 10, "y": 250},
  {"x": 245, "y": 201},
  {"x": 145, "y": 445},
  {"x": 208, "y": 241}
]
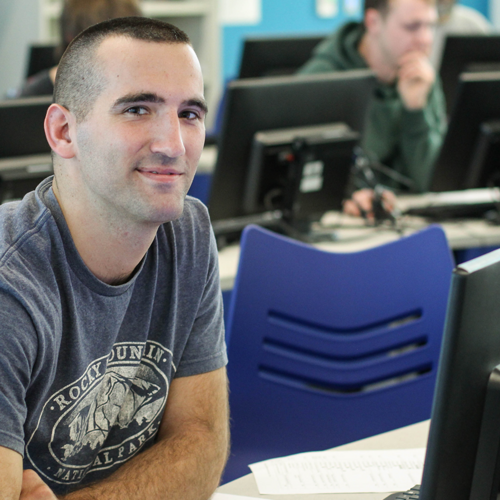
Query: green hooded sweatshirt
[{"x": 407, "y": 141}]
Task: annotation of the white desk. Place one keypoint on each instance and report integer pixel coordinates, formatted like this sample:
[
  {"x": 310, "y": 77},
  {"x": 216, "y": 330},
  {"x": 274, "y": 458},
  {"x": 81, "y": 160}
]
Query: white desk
[
  {"x": 413, "y": 436},
  {"x": 353, "y": 235}
]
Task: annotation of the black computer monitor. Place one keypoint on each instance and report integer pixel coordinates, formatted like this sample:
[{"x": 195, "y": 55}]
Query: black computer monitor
[
  {"x": 24, "y": 150},
  {"x": 21, "y": 123},
  {"x": 272, "y": 56},
  {"x": 462, "y": 452},
  {"x": 462, "y": 163},
  {"x": 40, "y": 57},
  {"x": 465, "y": 53},
  {"x": 262, "y": 104},
  {"x": 302, "y": 171}
]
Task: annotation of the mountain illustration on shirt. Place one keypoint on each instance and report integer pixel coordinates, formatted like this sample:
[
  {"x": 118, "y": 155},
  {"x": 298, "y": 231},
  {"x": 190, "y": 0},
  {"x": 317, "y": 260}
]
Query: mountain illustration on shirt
[{"x": 120, "y": 401}]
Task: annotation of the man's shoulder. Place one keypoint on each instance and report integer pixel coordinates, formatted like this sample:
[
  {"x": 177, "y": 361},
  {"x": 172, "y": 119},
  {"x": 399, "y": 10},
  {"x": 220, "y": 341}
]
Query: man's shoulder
[
  {"x": 338, "y": 52},
  {"x": 194, "y": 217},
  {"x": 20, "y": 222},
  {"x": 28, "y": 261},
  {"x": 196, "y": 207},
  {"x": 350, "y": 29},
  {"x": 192, "y": 228},
  {"x": 188, "y": 242}
]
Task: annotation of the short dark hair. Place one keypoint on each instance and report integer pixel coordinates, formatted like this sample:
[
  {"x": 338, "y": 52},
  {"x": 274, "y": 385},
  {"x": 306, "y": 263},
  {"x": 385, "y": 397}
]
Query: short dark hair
[
  {"x": 383, "y": 5},
  {"x": 80, "y": 75}
]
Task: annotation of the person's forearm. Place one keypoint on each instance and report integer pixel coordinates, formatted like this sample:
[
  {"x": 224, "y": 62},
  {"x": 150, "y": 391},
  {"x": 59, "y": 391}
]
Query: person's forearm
[
  {"x": 11, "y": 470},
  {"x": 419, "y": 156},
  {"x": 185, "y": 467},
  {"x": 422, "y": 137}
]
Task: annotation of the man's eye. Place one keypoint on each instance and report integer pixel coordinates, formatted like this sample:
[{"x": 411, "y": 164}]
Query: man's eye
[
  {"x": 414, "y": 27},
  {"x": 136, "y": 110},
  {"x": 190, "y": 115}
]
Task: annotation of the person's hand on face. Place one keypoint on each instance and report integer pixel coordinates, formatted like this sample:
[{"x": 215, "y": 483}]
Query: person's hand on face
[{"x": 415, "y": 79}]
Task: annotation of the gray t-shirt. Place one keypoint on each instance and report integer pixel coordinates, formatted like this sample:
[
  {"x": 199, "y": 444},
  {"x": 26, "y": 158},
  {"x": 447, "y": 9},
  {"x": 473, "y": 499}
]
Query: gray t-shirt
[{"x": 85, "y": 367}]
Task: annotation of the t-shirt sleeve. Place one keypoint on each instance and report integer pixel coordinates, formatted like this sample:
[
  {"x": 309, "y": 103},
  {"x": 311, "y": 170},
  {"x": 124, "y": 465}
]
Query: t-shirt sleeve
[
  {"x": 205, "y": 349},
  {"x": 17, "y": 360}
]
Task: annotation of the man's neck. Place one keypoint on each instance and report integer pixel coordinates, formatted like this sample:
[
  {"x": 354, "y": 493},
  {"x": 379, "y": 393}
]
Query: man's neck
[
  {"x": 110, "y": 251},
  {"x": 375, "y": 60}
]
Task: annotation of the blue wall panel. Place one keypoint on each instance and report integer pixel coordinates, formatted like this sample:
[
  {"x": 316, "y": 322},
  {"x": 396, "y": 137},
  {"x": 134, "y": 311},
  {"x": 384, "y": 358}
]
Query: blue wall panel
[
  {"x": 279, "y": 17},
  {"x": 282, "y": 17},
  {"x": 480, "y": 5}
]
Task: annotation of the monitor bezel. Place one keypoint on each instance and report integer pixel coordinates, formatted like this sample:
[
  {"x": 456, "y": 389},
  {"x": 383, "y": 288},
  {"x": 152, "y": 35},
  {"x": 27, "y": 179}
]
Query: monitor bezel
[{"x": 469, "y": 354}]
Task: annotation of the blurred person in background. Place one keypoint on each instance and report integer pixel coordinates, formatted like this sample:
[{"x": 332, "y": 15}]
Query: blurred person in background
[
  {"x": 76, "y": 16},
  {"x": 406, "y": 120}
]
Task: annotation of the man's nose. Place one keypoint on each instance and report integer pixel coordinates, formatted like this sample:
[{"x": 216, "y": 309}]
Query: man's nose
[
  {"x": 168, "y": 138},
  {"x": 425, "y": 37}
]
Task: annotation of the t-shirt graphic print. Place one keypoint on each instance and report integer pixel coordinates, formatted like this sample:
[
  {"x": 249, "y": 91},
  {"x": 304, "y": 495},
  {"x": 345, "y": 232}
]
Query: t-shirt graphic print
[{"x": 104, "y": 417}]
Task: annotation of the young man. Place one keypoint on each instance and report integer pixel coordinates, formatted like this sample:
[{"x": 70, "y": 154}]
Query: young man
[
  {"x": 407, "y": 119},
  {"x": 112, "y": 378}
]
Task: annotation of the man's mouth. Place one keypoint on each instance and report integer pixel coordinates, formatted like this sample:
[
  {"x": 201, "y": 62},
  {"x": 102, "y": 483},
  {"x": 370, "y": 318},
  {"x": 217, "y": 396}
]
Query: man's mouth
[
  {"x": 164, "y": 176},
  {"x": 160, "y": 173}
]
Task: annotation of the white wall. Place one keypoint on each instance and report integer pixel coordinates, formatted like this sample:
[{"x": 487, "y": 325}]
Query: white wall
[
  {"x": 18, "y": 27},
  {"x": 495, "y": 13}
]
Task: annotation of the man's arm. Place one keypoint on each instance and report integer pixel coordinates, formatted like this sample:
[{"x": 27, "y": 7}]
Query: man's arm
[
  {"x": 18, "y": 485},
  {"x": 416, "y": 77},
  {"x": 187, "y": 461},
  {"x": 11, "y": 473},
  {"x": 424, "y": 120}
]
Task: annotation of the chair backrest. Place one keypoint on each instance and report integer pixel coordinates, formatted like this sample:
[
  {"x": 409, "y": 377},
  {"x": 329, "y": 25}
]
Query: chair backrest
[{"x": 327, "y": 348}]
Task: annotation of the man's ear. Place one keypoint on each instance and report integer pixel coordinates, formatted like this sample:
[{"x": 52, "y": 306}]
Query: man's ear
[
  {"x": 373, "y": 20},
  {"x": 59, "y": 128}
]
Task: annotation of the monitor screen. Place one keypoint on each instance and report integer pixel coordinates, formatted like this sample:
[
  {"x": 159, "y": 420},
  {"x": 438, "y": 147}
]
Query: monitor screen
[
  {"x": 463, "y": 445},
  {"x": 40, "y": 57},
  {"x": 276, "y": 56},
  {"x": 465, "y": 53},
  {"x": 477, "y": 104},
  {"x": 256, "y": 105},
  {"x": 21, "y": 123}
]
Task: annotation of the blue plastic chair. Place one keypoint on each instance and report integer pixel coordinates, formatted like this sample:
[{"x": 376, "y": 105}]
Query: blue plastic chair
[{"x": 328, "y": 348}]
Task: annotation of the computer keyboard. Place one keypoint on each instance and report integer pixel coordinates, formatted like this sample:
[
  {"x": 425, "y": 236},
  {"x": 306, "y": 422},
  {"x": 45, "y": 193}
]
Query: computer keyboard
[
  {"x": 458, "y": 211},
  {"x": 468, "y": 203},
  {"x": 411, "y": 494}
]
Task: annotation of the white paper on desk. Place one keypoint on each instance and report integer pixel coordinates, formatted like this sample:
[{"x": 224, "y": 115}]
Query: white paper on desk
[
  {"x": 225, "y": 496},
  {"x": 370, "y": 471}
]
